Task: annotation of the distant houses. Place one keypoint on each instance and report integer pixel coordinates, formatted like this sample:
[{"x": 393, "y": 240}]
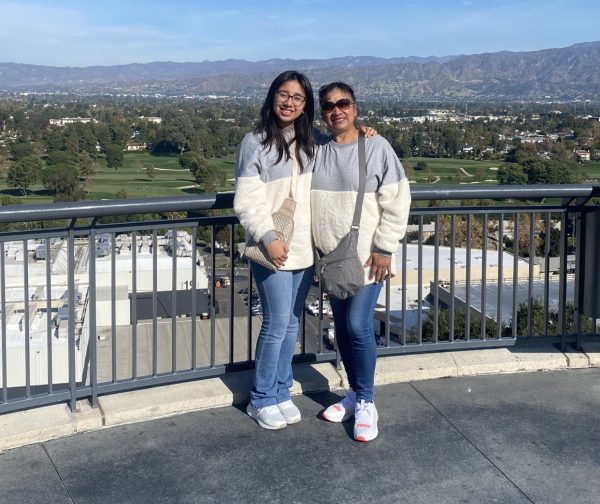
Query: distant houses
[
  {"x": 582, "y": 155},
  {"x": 136, "y": 146},
  {"x": 71, "y": 120},
  {"x": 151, "y": 119}
]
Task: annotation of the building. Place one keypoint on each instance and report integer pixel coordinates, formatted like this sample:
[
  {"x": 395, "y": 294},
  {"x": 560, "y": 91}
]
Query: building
[
  {"x": 30, "y": 311},
  {"x": 151, "y": 119},
  {"x": 136, "y": 147},
  {"x": 70, "y": 120},
  {"x": 582, "y": 155}
]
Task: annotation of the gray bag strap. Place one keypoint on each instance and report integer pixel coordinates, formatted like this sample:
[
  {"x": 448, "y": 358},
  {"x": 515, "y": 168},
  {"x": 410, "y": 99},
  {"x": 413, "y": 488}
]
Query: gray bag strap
[{"x": 362, "y": 178}]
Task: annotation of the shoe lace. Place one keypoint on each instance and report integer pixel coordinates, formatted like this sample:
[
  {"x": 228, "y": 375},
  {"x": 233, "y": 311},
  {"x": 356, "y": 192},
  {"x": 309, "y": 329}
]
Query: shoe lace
[{"x": 363, "y": 412}]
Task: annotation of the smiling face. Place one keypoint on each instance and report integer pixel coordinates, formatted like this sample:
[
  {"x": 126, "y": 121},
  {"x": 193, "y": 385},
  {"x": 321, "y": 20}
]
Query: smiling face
[
  {"x": 288, "y": 103},
  {"x": 340, "y": 119}
]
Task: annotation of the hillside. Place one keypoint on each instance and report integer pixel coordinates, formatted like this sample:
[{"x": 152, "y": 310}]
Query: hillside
[{"x": 568, "y": 73}]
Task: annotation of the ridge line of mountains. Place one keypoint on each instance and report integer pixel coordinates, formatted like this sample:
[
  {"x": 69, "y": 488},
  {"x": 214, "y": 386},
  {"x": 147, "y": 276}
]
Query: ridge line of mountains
[{"x": 562, "y": 74}]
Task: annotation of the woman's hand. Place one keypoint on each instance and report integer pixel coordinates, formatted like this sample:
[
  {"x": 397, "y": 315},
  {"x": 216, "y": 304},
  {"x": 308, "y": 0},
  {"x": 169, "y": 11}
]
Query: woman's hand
[
  {"x": 380, "y": 266},
  {"x": 278, "y": 251},
  {"x": 368, "y": 131}
]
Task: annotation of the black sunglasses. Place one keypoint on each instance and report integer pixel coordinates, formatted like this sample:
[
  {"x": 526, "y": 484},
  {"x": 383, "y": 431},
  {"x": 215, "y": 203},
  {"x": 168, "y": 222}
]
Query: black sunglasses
[{"x": 343, "y": 104}]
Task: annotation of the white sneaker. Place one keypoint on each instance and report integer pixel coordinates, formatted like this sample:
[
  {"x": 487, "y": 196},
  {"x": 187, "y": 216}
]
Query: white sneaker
[
  {"x": 289, "y": 411},
  {"x": 268, "y": 417},
  {"x": 343, "y": 410},
  {"x": 365, "y": 421}
]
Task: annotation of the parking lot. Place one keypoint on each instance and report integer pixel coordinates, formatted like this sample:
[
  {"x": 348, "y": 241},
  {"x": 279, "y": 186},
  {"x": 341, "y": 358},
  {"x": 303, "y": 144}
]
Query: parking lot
[{"x": 311, "y": 321}]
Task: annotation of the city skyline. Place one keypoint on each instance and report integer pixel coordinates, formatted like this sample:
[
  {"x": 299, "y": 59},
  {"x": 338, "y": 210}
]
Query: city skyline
[{"x": 71, "y": 33}]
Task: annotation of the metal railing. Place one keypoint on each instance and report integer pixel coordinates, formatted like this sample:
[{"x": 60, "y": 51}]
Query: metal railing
[{"x": 94, "y": 300}]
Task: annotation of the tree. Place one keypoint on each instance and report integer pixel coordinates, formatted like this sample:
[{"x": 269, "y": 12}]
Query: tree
[
  {"x": 554, "y": 246},
  {"x": 21, "y": 150},
  {"x": 114, "y": 156},
  {"x": 460, "y": 325},
  {"x": 150, "y": 170},
  {"x": 460, "y": 232},
  {"x": 7, "y": 200},
  {"x": 4, "y": 161},
  {"x": 480, "y": 174},
  {"x": 64, "y": 181},
  {"x": 122, "y": 194},
  {"x": 55, "y": 158},
  {"x": 86, "y": 165},
  {"x": 24, "y": 173},
  {"x": 187, "y": 160},
  {"x": 511, "y": 174},
  {"x": 430, "y": 176},
  {"x": 211, "y": 180}
]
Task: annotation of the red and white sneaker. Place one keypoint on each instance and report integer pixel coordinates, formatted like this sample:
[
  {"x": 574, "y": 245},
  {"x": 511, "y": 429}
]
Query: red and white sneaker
[
  {"x": 343, "y": 410},
  {"x": 365, "y": 421}
]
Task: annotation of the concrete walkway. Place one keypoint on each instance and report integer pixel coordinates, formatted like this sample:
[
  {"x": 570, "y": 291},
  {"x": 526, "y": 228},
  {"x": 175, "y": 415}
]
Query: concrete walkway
[{"x": 476, "y": 437}]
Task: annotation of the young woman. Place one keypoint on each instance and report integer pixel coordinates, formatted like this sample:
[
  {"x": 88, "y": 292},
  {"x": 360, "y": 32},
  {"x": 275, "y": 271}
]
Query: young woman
[
  {"x": 383, "y": 223},
  {"x": 263, "y": 180}
]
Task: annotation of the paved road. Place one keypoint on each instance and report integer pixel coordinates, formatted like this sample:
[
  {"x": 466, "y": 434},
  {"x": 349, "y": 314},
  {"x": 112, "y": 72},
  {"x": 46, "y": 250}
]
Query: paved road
[{"x": 505, "y": 438}]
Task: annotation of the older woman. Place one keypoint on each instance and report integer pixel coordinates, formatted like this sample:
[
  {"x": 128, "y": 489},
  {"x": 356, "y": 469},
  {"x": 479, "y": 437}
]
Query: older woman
[{"x": 383, "y": 223}]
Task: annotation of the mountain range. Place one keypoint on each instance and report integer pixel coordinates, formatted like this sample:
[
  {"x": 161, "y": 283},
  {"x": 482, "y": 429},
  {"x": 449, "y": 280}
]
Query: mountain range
[{"x": 562, "y": 74}]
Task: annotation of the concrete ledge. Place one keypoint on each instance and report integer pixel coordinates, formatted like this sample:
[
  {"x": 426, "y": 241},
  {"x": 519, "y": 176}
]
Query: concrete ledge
[
  {"x": 509, "y": 360},
  {"x": 49, "y": 422},
  {"x": 41, "y": 424},
  {"x": 315, "y": 378},
  {"x": 167, "y": 400},
  {"x": 592, "y": 352},
  {"x": 579, "y": 360},
  {"x": 86, "y": 418},
  {"x": 403, "y": 368},
  {"x": 230, "y": 389}
]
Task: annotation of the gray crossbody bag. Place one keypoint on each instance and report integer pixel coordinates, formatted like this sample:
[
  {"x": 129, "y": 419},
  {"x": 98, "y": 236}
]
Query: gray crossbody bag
[{"x": 341, "y": 271}]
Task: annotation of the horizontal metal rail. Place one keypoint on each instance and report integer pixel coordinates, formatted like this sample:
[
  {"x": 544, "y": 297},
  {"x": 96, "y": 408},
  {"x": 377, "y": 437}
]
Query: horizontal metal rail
[{"x": 141, "y": 307}]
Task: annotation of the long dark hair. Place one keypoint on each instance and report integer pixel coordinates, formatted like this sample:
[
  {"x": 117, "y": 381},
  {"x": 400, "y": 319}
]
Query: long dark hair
[{"x": 303, "y": 126}]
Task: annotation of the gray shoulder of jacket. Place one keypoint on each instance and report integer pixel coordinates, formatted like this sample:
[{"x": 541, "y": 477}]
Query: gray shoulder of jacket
[
  {"x": 379, "y": 143},
  {"x": 247, "y": 158},
  {"x": 250, "y": 142}
]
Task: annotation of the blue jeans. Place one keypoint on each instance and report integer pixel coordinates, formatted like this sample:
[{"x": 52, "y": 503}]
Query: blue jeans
[
  {"x": 282, "y": 295},
  {"x": 353, "y": 319}
]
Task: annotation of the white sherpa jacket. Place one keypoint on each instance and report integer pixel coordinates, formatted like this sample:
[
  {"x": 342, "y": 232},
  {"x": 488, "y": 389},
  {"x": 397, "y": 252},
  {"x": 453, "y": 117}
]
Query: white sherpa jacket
[{"x": 261, "y": 186}]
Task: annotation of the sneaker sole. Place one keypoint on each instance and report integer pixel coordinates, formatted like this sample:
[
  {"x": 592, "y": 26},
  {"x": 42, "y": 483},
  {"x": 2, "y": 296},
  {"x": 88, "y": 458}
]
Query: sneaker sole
[
  {"x": 265, "y": 425},
  {"x": 341, "y": 419},
  {"x": 366, "y": 439},
  {"x": 290, "y": 421}
]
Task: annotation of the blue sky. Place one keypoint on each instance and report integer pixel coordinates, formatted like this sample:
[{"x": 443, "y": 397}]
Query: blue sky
[{"x": 110, "y": 32}]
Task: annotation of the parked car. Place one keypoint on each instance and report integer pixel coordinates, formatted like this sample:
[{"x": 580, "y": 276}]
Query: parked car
[
  {"x": 244, "y": 291},
  {"x": 254, "y": 298},
  {"x": 313, "y": 308},
  {"x": 329, "y": 336},
  {"x": 256, "y": 308}
]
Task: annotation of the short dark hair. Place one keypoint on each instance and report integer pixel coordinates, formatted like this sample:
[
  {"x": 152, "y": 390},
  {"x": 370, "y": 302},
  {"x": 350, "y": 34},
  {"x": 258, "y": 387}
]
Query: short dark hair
[
  {"x": 303, "y": 126},
  {"x": 324, "y": 90}
]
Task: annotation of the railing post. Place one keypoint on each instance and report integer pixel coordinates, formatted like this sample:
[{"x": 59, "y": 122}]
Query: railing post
[
  {"x": 562, "y": 294},
  {"x": 92, "y": 314},
  {"x": 71, "y": 334},
  {"x": 3, "y": 317}
]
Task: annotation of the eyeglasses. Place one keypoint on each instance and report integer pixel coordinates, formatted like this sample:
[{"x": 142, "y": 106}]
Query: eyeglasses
[
  {"x": 343, "y": 104},
  {"x": 284, "y": 96}
]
